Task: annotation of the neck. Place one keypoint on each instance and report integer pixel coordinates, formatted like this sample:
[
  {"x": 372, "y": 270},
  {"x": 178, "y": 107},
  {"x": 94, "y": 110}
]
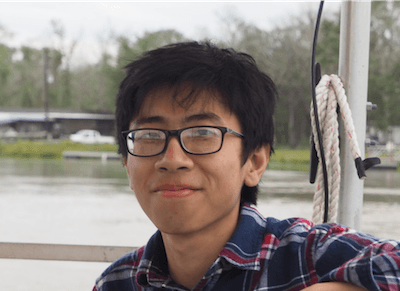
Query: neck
[{"x": 191, "y": 255}]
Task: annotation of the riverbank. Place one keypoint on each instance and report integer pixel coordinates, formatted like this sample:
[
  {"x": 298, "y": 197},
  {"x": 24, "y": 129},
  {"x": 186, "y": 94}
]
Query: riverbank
[
  {"x": 281, "y": 159},
  {"x": 26, "y": 149},
  {"x": 288, "y": 159}
]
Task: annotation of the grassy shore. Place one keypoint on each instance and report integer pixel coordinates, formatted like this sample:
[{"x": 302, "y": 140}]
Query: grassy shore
[
  {"x": 288, "y": 159},
  {"x": 282, "y": 159},
  {"x": 48, "y": 149}
]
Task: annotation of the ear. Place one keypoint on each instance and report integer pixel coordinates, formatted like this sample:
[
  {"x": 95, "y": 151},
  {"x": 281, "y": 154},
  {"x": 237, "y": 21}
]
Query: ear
[
  {"x": 125, "y": 160},
  {"x": 257, "y": 163}
]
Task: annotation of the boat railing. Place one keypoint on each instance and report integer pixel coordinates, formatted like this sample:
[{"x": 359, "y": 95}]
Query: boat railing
[
  {"x": 391, "y": 152},
  {"x": 62, "y": 252}
]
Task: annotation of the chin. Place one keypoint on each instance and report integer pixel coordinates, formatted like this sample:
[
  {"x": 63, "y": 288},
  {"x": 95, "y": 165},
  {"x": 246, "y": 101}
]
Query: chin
[{"x": 181, "y": 228}]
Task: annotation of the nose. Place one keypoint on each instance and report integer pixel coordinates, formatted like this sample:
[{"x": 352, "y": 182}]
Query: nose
[{"x": 174, "y": 158}]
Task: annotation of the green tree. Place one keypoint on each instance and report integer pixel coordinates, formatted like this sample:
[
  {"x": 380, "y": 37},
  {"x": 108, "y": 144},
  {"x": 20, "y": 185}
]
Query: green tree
[
  {"x": 290, "y": 69},
  {"x": 5, "y": 71},
  {"x": 65, "y": 97},
  {"x": 383, "y": 88},
  {"x": 284, "y": 53},
  {"x": 129, "y": 51},
  {"x": 28, "y": 86},
  {"x": 5, "y": 63},
  {"x": 327, "y": 52},
  {"x": 248, "y": 38},
  {"x": 22, "y": 85}
]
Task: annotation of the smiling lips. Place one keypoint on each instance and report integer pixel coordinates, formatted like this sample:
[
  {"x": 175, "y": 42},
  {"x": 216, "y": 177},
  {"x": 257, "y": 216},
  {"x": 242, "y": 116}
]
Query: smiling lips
[{"x": 176, "y": 191}]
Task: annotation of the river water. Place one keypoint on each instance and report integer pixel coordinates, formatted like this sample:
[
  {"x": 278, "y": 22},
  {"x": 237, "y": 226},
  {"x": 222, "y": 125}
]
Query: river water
[{"x": 89, "y": 202}]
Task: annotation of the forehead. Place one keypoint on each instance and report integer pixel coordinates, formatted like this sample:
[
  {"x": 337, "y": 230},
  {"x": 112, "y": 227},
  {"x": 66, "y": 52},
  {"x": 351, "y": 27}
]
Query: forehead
[{"x": 165, "y": 99}]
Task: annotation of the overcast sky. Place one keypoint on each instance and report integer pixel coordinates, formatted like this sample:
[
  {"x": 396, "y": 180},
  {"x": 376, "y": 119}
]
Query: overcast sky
[{"x": 92, "y": 22}]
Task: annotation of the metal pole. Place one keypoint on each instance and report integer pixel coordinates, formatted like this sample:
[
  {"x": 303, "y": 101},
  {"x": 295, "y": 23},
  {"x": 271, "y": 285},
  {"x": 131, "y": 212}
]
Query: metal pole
[
  {"x": 46, "y": 90},
  {"x": 353, "y": 71}
]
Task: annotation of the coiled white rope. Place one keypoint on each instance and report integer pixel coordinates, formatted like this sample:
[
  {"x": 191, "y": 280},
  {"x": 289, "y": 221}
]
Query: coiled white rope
[{"x": 329, "y": 94}]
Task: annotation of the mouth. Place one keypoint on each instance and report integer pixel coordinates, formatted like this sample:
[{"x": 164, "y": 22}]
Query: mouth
[{"x": 176, "y": 191}]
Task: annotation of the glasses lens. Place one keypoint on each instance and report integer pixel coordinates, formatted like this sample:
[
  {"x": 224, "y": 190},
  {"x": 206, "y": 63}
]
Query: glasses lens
[
  {"x": 201, "y": 140},
  {"x": 145, "y": 142}
]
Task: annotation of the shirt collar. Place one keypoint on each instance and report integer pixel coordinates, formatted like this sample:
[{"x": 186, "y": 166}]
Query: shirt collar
[
  {"x": 153, "y": 265},
  {"x": 242, "y": 250}
]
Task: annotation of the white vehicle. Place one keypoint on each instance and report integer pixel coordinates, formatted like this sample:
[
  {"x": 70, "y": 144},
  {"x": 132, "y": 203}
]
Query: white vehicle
[
  {"x": 89, "y": 136},
  {"x": 8, "y": 133}
]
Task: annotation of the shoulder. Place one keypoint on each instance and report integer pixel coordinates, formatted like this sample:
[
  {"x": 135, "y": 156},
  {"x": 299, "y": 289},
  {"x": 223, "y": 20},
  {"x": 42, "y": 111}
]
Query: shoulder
[
  {"x": 305, "y": 228},
  {"x": 321, "y": 242},
  {"x": 289, "y": 226},
  {"x": 120, "y": 272},
  {"x": 298, "y": 232},
  {"x": 272, "y": 227}
]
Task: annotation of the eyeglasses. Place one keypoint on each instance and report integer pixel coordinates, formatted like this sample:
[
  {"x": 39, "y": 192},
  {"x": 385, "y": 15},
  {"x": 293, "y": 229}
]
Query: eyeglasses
[{"x": 196, "y": 140}]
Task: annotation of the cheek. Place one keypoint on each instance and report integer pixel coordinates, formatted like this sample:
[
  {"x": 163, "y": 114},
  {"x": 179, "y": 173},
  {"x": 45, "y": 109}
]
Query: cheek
[
  {"x": 228, "y": 175},
  {"x": 136, "y": 171}
]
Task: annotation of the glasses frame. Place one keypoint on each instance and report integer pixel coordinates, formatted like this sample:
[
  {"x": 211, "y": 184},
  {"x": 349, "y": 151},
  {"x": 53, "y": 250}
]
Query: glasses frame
[{"x": 177, "y": 133}]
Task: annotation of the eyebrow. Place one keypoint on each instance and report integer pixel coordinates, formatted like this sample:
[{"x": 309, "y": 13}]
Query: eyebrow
[
  {"x": 150, "y": 119},
  {"x": 202, "y": 116}
]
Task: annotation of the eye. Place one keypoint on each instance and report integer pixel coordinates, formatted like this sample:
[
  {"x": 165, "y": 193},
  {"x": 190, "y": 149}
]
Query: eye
[
  {"x": 149, "y": 135},
  {"x": 203, "y": 132}
]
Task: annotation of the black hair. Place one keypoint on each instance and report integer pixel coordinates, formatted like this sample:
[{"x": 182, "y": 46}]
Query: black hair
[{"x": 246, "y": 91}]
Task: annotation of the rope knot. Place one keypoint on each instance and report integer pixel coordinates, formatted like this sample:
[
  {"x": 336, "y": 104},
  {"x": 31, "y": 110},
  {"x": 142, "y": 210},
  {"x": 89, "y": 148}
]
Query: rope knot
[{"x": 329, "y": 95}]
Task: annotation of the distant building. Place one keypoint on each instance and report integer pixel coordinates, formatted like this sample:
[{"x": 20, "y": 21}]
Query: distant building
[
  {"x": 33, "y": 123},
  {"x": 394, "y": 132}
]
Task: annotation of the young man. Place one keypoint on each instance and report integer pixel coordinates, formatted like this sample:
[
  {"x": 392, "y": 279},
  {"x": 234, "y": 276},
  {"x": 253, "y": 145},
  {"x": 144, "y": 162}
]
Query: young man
[{"x": 197, "y": 132}]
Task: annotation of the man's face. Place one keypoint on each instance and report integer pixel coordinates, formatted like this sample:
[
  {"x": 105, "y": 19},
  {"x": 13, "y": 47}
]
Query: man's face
[{"x": 180, "y": 192}]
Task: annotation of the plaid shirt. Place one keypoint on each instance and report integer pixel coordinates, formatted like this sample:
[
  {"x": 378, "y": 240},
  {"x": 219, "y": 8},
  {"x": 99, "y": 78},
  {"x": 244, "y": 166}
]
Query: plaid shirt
[{"x": 268, "y": 254}]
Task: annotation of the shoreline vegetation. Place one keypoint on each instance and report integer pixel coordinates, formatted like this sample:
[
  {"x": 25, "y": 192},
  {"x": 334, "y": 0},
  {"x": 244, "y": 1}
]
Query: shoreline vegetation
[
  {"x": 281, "y": 159},
  {"x": 27, "y": 149}
]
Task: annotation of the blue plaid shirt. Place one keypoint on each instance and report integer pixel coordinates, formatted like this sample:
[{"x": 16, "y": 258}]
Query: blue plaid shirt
[{"x": 269, "y": 254}]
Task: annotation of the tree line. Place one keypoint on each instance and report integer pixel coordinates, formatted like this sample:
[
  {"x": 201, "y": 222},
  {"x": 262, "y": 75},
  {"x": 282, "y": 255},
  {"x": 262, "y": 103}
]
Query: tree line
[{"x": 283, "y": 52}]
